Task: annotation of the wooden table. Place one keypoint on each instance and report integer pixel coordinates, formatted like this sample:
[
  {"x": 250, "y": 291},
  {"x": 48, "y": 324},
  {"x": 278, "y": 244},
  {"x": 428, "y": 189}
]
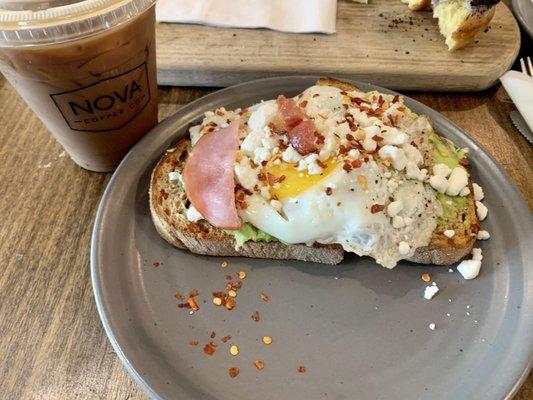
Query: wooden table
[{"x": 52, "y": 345}]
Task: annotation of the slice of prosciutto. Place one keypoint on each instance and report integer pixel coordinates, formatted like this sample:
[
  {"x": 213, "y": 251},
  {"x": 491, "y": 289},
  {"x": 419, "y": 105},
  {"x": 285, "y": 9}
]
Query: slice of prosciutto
[
  {"x": 291, "y": 113},
  {"x": 302, "y": 137},
  {"x": 301, "y": 132},
  {"x": 209, "y": 180}
]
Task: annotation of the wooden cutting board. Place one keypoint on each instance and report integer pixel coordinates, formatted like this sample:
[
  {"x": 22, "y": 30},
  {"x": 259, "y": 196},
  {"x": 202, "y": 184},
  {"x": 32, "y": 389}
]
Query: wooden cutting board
[{"x": 383, "y": 43}]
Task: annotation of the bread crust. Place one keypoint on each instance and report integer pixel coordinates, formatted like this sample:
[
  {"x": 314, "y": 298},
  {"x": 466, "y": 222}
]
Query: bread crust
[{"x": 168, "y": 205}]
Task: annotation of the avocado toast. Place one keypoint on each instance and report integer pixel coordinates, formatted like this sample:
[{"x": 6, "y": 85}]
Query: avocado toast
[{"x": 404, "y": 208}]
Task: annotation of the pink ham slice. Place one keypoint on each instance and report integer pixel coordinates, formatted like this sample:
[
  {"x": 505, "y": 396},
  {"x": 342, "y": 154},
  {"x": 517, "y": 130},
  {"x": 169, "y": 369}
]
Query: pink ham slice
[
  {"x": 301, "y": 132},
  {"x": 208, "y": 177}
]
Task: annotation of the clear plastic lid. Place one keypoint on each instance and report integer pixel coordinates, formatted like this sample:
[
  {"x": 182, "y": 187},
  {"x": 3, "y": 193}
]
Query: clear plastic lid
[{"x": 38, "y": 22}]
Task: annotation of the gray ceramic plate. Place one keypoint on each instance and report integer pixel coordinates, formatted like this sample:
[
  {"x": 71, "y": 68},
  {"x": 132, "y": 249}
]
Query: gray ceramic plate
[
  {"x": 523, "y": 10},
  {"x": 359, "y": 329}
]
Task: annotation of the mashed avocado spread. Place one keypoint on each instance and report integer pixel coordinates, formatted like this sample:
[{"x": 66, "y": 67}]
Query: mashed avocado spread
[
  {"x": 249, "y": 232},
  {"x": 445, "y": 152}
]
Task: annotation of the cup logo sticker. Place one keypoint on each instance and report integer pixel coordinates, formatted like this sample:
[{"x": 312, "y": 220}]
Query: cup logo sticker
[{"x": 105, "y": 105}]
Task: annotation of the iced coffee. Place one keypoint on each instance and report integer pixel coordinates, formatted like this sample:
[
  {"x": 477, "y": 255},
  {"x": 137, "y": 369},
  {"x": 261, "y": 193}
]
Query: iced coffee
[{"x": 87, "y": 69}]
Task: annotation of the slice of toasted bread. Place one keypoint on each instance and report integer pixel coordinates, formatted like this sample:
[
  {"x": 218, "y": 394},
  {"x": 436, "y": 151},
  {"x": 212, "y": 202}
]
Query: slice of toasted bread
[{"x": 168, "y": 204}]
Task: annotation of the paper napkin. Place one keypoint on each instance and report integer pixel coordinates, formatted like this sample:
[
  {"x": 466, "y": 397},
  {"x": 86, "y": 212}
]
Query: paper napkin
[{"x": 281, "y": 15}]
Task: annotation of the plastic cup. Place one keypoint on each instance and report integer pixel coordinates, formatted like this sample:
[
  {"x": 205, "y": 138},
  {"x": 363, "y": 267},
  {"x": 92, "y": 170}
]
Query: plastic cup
[{"x": 87, "y": 69}]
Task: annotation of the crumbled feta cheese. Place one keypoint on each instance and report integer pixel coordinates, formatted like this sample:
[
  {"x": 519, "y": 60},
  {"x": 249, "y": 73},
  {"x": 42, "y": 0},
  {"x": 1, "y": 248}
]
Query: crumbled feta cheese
[
  {"x": 441, "y": 170},
  {"x": 432, "y": 326},
  {"x": 245, "y": 174},
  {"x": 398, "y": 222},
  {"x": 413, "y": 154},
  {"x": 394, "y": 208},
  {"x": 372, "y": 130},
  {"x": 291, "y": 156},
  {"x": 261, "y": 154},
  {"x": 449, "y": 233},
  {"x": 481, "y": 210},
  {"x": 354, "y": 153},
  {"x": 404, "y": 248},
  {"x": 477, "y": 254},
  {"x": 478, "y": 192},
  {"x": 413, "y": 172},
  {"x": 483, "y": 235},
  {"x": 457, "y": 181},
  {"x": 369, "y": 144},
  {"x": 439, "y": 183},
  {"x": 407, "y": 221},
  {"x": 193, "y": 214},
  {"x": 252, "y": 142},
  {"x": 430, "y": 291},
  {"x": 174, "y": 176},
  {"x": 396, "y": 155},
  {"x": 393, "y": 136},
  {"x": 469, "y": 269},
  {"x": 312, "y": 167},
  {"x": 464, "y": 192},
  {"x": 387, "y": 174}
]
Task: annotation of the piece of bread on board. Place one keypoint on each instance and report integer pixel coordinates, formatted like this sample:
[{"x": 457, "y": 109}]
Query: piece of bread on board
[{"x": 168, "y": 204}]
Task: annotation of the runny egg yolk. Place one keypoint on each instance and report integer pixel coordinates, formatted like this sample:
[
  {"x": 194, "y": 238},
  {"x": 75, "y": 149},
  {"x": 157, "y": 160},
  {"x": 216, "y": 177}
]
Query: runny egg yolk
[{"x": 290, "y": 182}]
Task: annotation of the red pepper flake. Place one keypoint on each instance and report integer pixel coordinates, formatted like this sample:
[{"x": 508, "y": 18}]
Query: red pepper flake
[
  {"x": 255, "y": 316},
  {"x": 376, "y": 208},
  {"x": 156, "y": 264},
  {"x": 396, "y": 99},
  {"x": 225, "y": 339},
  {"x": 193, "y": 342},
  {"x": 259, "y": 364},
  {"x": 321, "y": 164},
  {"x": 192, "y": 304},
  {"x": 329, "y": 191},
  {"x": 414, "y": 144},
  {"x": 209, "y": 349},
  {"x": 179, "y": 296},
  {"x": 303, "y": 103},
  {"x": 271, "y": 179},
  {"x": 213, "y": 334},
  {"x": 219, "y": 112},
  {"x": 356, "y": 163},
  {"x": 343, "y": 149},
  {"x": 194, "y": 293},
  {"x": 320, "y": 139},
  {"x": 377, "y": 138},
  {"x": 347, "y": 166},
  {"x": 233, "y": 372},
  {"x": 302, "y": 369},
  {"x": 230, "y": 303},
  {"x": 264, "y": 296},
  {"x": 350, "y": 137}
]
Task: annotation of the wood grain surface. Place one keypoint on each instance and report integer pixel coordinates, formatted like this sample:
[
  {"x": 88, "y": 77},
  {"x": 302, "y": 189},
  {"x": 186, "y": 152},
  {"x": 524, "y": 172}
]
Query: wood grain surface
[
  {"x": 52, "y": 345},
  {"x": 379, "y": 42}
]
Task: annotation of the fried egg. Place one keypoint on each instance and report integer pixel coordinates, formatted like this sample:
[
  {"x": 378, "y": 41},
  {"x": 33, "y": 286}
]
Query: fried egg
[{"x": 372, "y": 209}]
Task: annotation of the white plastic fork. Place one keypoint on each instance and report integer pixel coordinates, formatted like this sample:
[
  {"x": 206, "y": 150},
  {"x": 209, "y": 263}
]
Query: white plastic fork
[{"x": 526, "y": 66}]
